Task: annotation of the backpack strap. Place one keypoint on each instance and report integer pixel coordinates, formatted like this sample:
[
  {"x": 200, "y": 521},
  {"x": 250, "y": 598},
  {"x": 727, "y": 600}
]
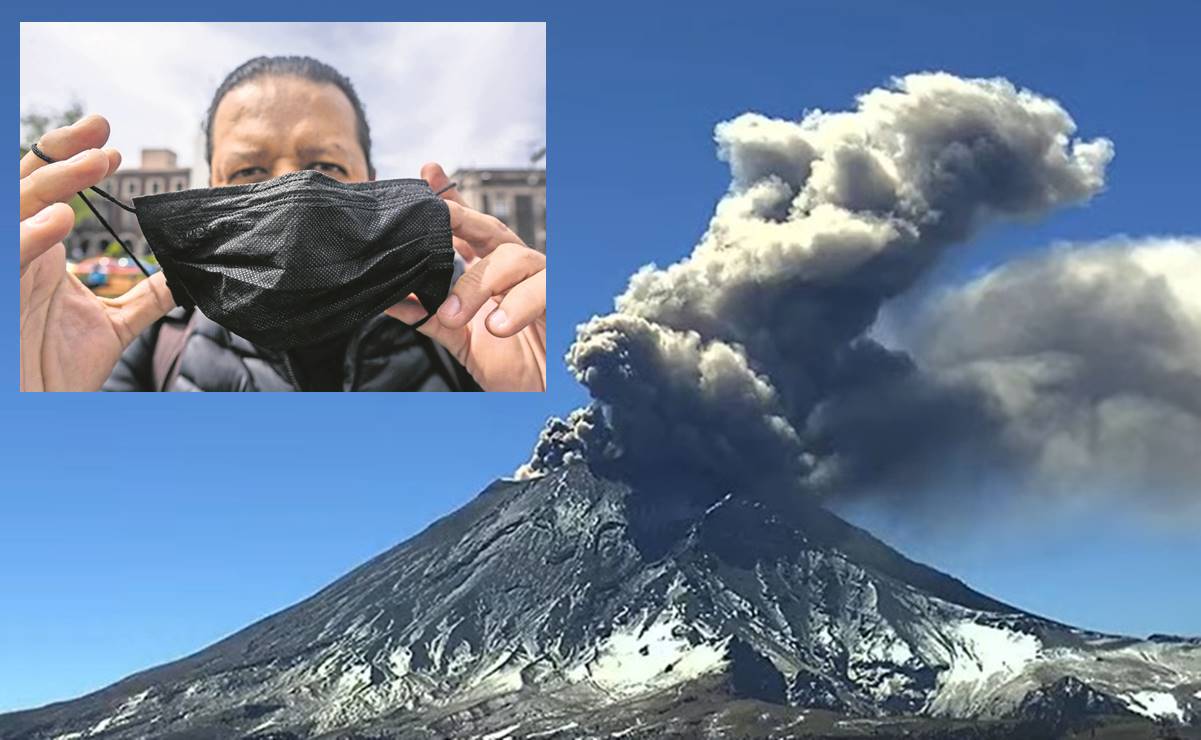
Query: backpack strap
[{"x": 173, "y": 335}]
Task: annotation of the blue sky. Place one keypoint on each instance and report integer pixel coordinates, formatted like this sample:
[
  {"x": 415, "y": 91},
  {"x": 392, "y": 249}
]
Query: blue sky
[{"x": 137, "y": 529}]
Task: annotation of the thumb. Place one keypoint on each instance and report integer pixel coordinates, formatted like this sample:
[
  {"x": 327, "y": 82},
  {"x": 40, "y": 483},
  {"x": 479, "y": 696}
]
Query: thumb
[
  {"x": 43, "y": 230},
  {"x": 145, "y": 303}
]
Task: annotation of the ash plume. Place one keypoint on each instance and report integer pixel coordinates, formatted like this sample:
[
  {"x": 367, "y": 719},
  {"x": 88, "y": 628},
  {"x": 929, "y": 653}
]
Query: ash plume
[
  {"x": 1088, "y": 362},
  {"x": 752, "y": 359}
]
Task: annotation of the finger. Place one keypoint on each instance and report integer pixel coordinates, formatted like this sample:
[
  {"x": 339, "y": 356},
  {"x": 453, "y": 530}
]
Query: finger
[
  {"x": 114, "y": 159},
  {"x": 433, "y": 173},
  {"x": 437, "y": 178},
  {"x": 89, "y": 132},
  {"x": 43, "y": 230},
  {"x": 464, "y": 249},
  {"x": 145, "y": 303},
  {"x": 492, "y": 276},
  {"x": 482, "y": 232},
  {"x": 521, "y": 306},
  {"x": 58, "y": 182},
  {"x": 409, "y": 311}
]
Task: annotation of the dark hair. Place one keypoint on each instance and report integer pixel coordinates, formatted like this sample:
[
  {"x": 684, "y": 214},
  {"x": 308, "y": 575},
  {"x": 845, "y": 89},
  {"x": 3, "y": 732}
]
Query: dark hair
[{"x": 304, "y": 67}]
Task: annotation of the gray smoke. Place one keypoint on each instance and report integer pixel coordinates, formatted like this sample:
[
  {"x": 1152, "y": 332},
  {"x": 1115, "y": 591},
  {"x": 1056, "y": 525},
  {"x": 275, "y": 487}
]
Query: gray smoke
[
  {"x": 1086, "y": 361},
  {"x": 751, "y": 360}
]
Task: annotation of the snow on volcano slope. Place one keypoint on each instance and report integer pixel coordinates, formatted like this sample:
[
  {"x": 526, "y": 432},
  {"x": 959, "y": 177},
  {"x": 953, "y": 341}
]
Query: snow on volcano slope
[{"x": 571, "y": 592}]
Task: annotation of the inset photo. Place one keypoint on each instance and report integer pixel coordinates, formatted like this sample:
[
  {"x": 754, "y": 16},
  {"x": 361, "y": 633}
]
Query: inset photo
[{"x": 283, "y": 207}]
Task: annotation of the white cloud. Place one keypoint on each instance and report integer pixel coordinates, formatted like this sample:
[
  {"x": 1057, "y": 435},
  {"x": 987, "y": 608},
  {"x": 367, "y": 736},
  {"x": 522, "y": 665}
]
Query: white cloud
[{"x": 462, "y": 94}]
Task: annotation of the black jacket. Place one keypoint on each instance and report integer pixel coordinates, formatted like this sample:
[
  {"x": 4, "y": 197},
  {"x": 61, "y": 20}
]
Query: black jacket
[{"x": 383, "y": 355}]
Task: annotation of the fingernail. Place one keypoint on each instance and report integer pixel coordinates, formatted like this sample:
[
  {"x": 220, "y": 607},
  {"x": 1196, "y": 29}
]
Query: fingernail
[
  {"x": 81, "y": 156},
  {"x": 498, "y": 319},
  {"x": 41, "y": 216},
  {"x": 450, "y": 307}
]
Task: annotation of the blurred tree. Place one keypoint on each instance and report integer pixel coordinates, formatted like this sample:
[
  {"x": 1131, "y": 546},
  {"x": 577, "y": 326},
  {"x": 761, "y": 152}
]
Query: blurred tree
[{"x": 35, "y": 124}]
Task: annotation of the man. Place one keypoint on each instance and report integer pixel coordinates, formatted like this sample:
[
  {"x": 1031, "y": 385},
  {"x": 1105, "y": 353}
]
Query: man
[{"x": 271, "y": 116}]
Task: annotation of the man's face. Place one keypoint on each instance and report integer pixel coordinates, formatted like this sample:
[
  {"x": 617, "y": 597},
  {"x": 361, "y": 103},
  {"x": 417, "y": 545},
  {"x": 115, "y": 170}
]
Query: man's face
[{"x": 274, "y": 125}]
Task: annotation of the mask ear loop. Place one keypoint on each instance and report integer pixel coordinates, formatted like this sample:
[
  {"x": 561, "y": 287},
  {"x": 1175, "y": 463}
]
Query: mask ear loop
[
  {"x": 42, "y": 156},
  {"x": 418, "y": 324}
]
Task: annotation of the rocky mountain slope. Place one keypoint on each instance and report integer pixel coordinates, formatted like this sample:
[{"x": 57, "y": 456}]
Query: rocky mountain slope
[{"x": 544, "y": 601}]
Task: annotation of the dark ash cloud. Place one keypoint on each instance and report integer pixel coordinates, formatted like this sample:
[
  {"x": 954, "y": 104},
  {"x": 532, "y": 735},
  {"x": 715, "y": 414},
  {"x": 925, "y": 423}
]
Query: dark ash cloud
[{"x": 751, "y": 360}]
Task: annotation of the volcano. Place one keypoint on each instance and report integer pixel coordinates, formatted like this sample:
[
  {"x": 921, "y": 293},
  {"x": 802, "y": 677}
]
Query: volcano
[{"x": 571, "y": 605}]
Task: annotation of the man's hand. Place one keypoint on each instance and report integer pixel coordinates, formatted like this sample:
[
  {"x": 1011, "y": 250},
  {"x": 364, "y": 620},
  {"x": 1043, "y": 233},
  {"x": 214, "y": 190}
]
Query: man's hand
[
  {"x": 70, "y": 338},
  {"x": 494, "y": 320}
]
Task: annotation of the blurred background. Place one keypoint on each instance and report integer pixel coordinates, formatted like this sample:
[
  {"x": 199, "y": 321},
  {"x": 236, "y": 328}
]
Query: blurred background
[{"x": 470, "y": 96}]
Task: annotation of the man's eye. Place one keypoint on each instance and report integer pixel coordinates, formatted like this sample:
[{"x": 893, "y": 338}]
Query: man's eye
[
  {"x": 249, "y": 173},
  {"x": 327, "y": 167}
]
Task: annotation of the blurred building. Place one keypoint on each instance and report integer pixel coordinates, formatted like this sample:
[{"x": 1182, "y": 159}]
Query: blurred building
[
  {"x": 515, "y": 196},
  {"x": 158, "y": 172},
  {"x": 200, "y": 162}
]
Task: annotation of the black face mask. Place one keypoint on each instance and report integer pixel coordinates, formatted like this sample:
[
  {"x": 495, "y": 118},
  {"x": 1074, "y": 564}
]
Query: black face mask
[{"x": 301, "y": 258}]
